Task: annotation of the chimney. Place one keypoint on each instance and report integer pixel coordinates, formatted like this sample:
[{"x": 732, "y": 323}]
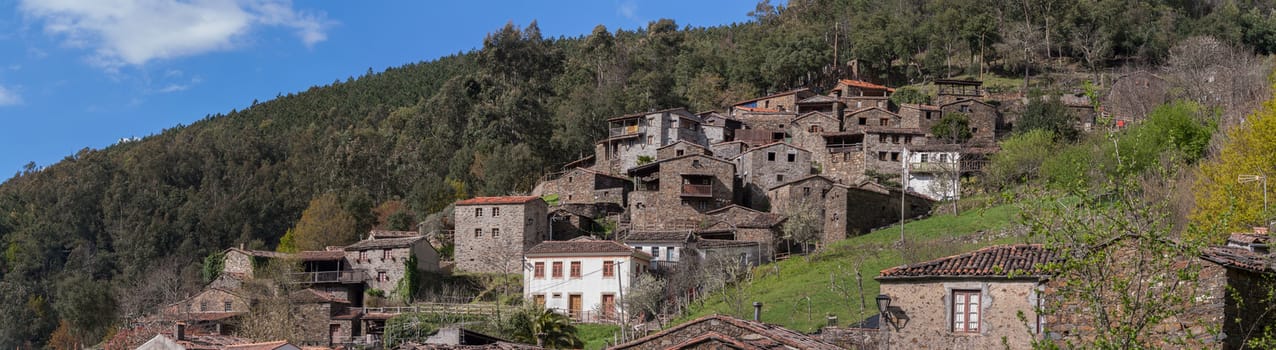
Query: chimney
[
  {"x": 757, "y": 311},
  {"x": 1260, "y": 230},
  {"x": 179, "y": 331},
  {"x": 241, "y": 245},
  {"x": 832, "y": 319}
]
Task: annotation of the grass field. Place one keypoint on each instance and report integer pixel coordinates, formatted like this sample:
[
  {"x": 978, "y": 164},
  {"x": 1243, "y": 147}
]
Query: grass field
[
  {"x": 595, "y": 335},
  {"x": 798, "y": 293}
]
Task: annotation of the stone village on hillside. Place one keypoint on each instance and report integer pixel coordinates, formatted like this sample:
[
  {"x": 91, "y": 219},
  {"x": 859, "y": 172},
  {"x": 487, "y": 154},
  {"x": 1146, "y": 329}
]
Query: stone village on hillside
[{"x": 669, "y": 187}]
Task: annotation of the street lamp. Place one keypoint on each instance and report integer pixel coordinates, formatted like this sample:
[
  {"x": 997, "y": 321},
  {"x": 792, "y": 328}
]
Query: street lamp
[
  {"x": 884, "y": 305},
  {"x": 1252, "y": 178}
]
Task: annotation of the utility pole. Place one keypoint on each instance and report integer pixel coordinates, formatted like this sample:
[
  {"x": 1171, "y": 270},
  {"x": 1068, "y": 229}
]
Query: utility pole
[
  {"x": 620, "y": 291},
  {"x": 903, "y": 191}
]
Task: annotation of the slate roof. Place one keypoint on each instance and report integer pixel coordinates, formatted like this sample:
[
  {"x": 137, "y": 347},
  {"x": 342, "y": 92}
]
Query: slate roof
[
  {"x": 818, "y": 99},
  {"x": 754, "y": 219},
  {"x": 723, "y": 243},
  {"x": 498, "y": 200},
  {"x": 1248, "y": 238},
  {"x": 580, "y": 247},
  {"x": 786, "y": 93},
  {"x": 753, "y": 335},
  {"x": 657, "y": 236},
  {"x": 384, "y": 243},
  {"x": 258, "y": 346},
  {"x": 311, "y": 295},
  {"x": 644, "y": 114},
  {"x": 1021, "y": 260},
  {"x": 392, "y": 233},
  {"x": 1239, "y": 258},
  {"x": 321, "y": 255},
  {"x": 756, "y": 109},
  {"x": 775, "y": 144},
  {"x": 492, "y": 346},
  {"x": 260, "y": 253},
  {"x": 865, "y": 85}
]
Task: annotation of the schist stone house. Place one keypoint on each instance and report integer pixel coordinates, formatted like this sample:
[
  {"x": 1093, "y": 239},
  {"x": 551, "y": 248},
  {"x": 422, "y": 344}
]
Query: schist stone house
[
  {"x": 674, "y": 193},
  {"x": 584, "y": 185},
  {"x": 781, "y": 102},
  {"x": 639, "y": 135},
  {"x": 582, "y": 278},
  {"x": 766, "y": 166},
  {"x": 384, "y": 260},
  {"x": 968, "y": 301},
  {"x": 492, "y": 232}
]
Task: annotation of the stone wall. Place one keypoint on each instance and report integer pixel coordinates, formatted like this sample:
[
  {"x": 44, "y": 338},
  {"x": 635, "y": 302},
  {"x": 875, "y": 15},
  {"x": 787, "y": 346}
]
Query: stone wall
[
  {"x": 680, "y": 149},
  {"x": 818, "y": 195},
  {"x": 728, "y": 150},
  {"x": 867, "y": 209},
  {"x": 921, "y": 314},
  {"x": 762, "y": 168},
  {"x": 846, "y": 167},
  {"x": 885, "y": 148},
  {"x": 521, "y": 226},
  {"x": 668, "y": 208},
  {"x": 584, "y": 186},
  {"x": 983, "y": 120},
  {"x": 391, "y": 262},
  {"x": 238, "y": 262}
]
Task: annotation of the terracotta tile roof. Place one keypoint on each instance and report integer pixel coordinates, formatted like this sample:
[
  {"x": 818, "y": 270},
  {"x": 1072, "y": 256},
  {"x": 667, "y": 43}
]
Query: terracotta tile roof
[
  {"x": 324, "y": 255},
  {"x": 756, "y": 335},
  {"x": 581, "y": 247},
  {"x": 384, "y": 243},
  {"x": 1239, "y": 258},
  {"x": 1022, "y": 260},
  {"x": 757, "y": 109},
  {"x": 865, "y": 85},
  {"x": 1248, "y": 238},
  {"x": 657, "y": 236},
  {"x": 498, "y": 200},
  {"x": 259, "y": 346}
]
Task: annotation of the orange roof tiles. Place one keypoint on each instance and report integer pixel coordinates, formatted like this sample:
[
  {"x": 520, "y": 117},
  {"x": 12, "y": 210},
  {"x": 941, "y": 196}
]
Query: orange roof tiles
[
  {"x": 1023, "y": 260},
  {"x": 498, "y": 200},
  {"x": 865, "y": 85}
]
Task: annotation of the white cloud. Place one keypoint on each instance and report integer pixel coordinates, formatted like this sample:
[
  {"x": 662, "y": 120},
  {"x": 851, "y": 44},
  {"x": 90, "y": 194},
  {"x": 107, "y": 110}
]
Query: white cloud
[
  {"x": 173, "y": 88},
  {"x": 9, "y": 97},
  {"x": 133, "y": 32},
  {"x": 628, "y": 9}
]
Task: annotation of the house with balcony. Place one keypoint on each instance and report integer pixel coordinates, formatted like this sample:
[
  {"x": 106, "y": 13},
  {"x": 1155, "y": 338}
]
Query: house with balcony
[
  {"x": 935, "y": 171},
  {"x": 582, "y": 278},
  {"x": 634, "y": 136},
  {"x": 952, "y": 90},
  {"x": 675, "y": 193},
  {"x": 383, "y": 262}
]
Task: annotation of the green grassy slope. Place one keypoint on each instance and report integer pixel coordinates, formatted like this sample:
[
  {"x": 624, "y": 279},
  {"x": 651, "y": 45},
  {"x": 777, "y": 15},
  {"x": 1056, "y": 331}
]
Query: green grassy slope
[{"x": 797, "y": 293}]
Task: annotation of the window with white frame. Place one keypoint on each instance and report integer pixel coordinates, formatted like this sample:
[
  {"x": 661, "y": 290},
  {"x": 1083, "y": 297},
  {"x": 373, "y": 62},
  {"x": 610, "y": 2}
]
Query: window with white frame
[{"x": 966, "y": 311}]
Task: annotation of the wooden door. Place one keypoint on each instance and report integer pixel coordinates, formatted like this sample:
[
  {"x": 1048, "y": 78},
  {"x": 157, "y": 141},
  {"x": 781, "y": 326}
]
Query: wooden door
[
  {"x": 334, "y": 334},
  {"x": 609, "y": 304},
  {"x": 574, "y": 305}
]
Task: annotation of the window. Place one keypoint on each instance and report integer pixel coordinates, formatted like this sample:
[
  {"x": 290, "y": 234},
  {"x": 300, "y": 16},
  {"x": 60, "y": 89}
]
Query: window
[
  {"x": 924, "y": 157},
  {"x": 894, "y": 156},
  {"x": 881, "y": 155},
  {"x": 496, "y": 232},
  {"x": 478, "y": 212},
  {"x": 770, "y": 156},
  {"x": 669, "y": 253},
  {"x": 678, "y": 153},
  {"x": 203, "y": 305},
  {"x": 815, "y": 129},
  {"x": 927, "y": 115},
  {"x": 569, "y": 180},
  {"x": 655, "y": 252},
  {"x": 806, "y": 191},
  {"x": 496, "y": 212},
  {"x": 539, "y": 270},
  {"x": 385, "y": 254},
  {"x": 651, "y": 140},
  {"x": 965, "y": 311},
  {"x": 575, "y": 269},
  {"x": 558, "y": 269},
  {"x": 863, "y": 121},
  {"x": 609, "y": 269},
  {"x": 381, "y": 277},
  {"x": 609, "y": 304},
  {"x": 974, "y": 130},
  {"x": 884, "y": 122},
  {"x": 881, "y": 138},
  {"x": 943, "y": 158},
  {"x": 792, "y": 157},
  {"x": 895, "y": 139},
  {"x": 779, "y": 177},
  {"x": 965, "y": 108},
  {"x": 226, "y": 305},
  {"x": 363, "y": 255},
  {"x": 908, "y": 139},
  {"x": 478, "y": 232}
]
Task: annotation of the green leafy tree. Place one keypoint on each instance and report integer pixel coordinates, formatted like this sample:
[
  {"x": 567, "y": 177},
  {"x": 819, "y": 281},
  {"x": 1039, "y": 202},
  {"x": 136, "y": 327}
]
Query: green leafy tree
[
  {"x": 538, "y": 325},
  {"x": 324, "y": 223},
  {"x": 909, "y": 95},
  {"x": 1048, "y": 113},
  {"x": 952, "y": 128}
]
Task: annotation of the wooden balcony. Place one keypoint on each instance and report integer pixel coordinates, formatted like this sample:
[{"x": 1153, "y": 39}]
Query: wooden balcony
[
  {"x": 690, "y": 190},
  {"x": 344, "y": 276},
  {"x": 624, "y": 131},
  {"x": 845, "y": 148}
]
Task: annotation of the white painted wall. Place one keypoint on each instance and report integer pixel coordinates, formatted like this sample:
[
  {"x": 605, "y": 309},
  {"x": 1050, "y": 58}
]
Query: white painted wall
[{"x": 591, "y": 285}]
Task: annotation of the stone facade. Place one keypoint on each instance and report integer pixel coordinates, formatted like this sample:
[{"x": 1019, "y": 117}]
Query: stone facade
[
  {"x": 885, "y": 148},
  {"x": 781, "y": 102},
  {"x": 639, "y": 135},
  {"x": 210, "y": 301},
  {"x": 585, "y": 186},
  {"x": 870, "y": 206},
  {"x": 745, "y": 224},
  {"x": 922, "y": 313},
  {"x": 1134, "y": 95},
  {"x": 719, "y": 128},
  {"x": 519, "y": 224},
  {"x": 983, "y": 120},
  {"x": 383, "y": 261},
  {"x": 673, "y": 193},
  {"x": 817, "y": 194},
  {"x": 874, "y": 117},
  {"x": 681, "y": 148},
  {"x": 763, "y": 167},
  {"x": 729, "y": 149}
]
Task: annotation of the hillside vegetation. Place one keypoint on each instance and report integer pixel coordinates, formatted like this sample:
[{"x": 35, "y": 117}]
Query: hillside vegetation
[{"x": 106, "y": 236}]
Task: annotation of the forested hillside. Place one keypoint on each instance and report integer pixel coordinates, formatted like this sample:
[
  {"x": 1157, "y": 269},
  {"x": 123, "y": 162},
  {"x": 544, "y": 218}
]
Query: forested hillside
[{"x": 106, "y": 235}]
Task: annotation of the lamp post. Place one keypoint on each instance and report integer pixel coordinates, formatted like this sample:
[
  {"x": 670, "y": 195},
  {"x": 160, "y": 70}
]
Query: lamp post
[
  {"x": 1252, "y": 178},
  {"x": 883, "y": 306}
]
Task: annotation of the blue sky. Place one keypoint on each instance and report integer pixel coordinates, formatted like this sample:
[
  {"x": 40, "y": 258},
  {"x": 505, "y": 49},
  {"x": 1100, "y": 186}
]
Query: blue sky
[{"x": 86, "y": 73}]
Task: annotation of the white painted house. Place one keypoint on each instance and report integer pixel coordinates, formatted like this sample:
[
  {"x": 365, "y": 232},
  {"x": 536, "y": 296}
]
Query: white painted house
[
  {"x": 935, "y": 171},
  {"x": 582, "y": 278}
]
